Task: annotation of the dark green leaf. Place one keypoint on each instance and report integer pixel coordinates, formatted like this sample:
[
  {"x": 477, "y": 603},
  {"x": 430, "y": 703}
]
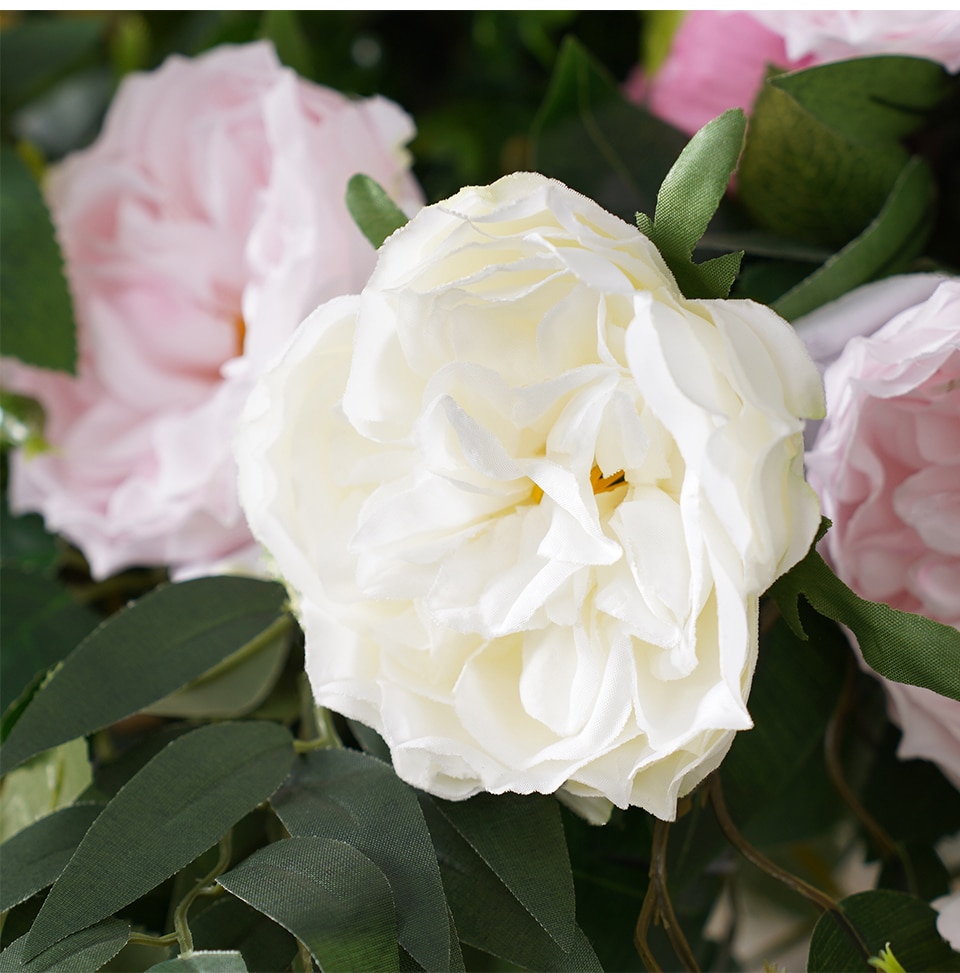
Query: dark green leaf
[
  {"x": 870, "y": 99},
  {"x": 40, "y": 623},
  {"x": 521, "y": 840},
  {"x": 35, "y": 857},
  {"x": 349, "y": 796},
  {"x": 899, "y": 645},
  {"x": 800, "y": 179},
  {"x": 329, "y": 895},
  {"x": 81, "y": 952},
  {"x": 886, "y": 246},
  {"x": 590, "y": 137},
  {"x": 143, "y": 653},
  {"x": 180, "y": 804},
  {"x": 34, "y": 302},
  {"x": 36, "y": 51},
  {"x": 370, "y": 740},
  {"x": 908, "y": 924},
  {"x": 26, "y": 544},
  {"x": 372, "y": 209},
  {"x": 687, "y": 200},
  {"x": 486, "y": 913},
  {"x": 202, "y": 962},
  {"x": 283, "y": 28},
  {"x": 231, "y": 924}
]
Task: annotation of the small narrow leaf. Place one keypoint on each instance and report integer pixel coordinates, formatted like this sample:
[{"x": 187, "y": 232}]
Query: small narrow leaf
[
  {"x": 142, "y": 654},
  {"x": 329, "y": 895},
  {"x": 899, "y": 645},
  {"x": 175, "y": 808},
  {"x": 35, "y": 857},
  {"x": 202, "y": 962},
  {"x": 354, "y": 798},
  {"x": 372, "y": 209},
  {"x": 81, "y": 952}
]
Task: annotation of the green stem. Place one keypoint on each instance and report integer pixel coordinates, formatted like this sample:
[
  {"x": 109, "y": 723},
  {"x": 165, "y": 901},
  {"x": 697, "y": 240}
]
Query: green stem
[
  {"x": 182, "y": 932},
  {"x": 143, "y": 939}
]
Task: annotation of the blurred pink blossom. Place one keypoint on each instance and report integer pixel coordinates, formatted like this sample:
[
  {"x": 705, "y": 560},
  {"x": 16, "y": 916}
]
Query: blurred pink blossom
[
  {"x": 719, "y": 58},
  {"x": 886, "y": 464},
  {"x": 199, "y": 229}
]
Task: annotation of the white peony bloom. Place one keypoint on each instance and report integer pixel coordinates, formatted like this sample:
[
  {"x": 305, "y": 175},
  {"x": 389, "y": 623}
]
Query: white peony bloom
[{"x": 529, "y": 495}]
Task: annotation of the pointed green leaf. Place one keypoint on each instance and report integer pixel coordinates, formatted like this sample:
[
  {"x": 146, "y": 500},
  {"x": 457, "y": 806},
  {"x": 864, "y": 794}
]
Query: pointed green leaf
[
  {"x": 886, "y": 246},
  {"x": 899, "y": 645},
  {"x": 687, "y": 201},
  {"x": 372, "y": 209},
  {"x": 35, "y": 857},
  {"x": 882, "y": 917},
  {"x": 229, "y": 924},
  {"x": 487, "y": 914},
  {"x": 870, "y": 99},
  {"x": 520, "y": 837},
  {"x": 142, "y": 654},
  {"x": 329, "y": 895},
  {"x": 81, "y": 952},
  {"x": 202, "y": 962},
  {"x": 35, "y": 305},
  {"x": 175, "y": 808},
  {"x": 354, "y": 798}
]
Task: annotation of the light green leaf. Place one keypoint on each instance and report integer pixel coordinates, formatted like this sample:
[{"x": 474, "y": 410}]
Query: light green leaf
[
  {"x": 35, "y": 305},
  {"x": 329, "y": 895},
  {"x": 35, "y": 857},
  {"x": 372, "y": 209},
  {"x": 175, "y": 808},
  {"x": 283, "y": 28},
  {"x": 81, "y": 952},
  {"x": 48, "y": 782},
  {"x": 882, "y": 917},
  {"x": 869, "y": 99},
  {"x": 590, "y": 137},
  {"x": 202, "y": 962},
  {"x": 886, "y": 246},
  {"x": 899, "y": 645},
  {"x": 520, "y": 838},
  {"x": 144, "y": 653},
  {"x": 351, "y": 797},
  {"x": 687, "y": 201}
]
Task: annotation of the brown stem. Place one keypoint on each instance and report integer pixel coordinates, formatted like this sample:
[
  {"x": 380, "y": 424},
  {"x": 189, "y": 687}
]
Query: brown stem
[
  {"x": 821, "y": 900},
  {"x": 640, "y": 933}
]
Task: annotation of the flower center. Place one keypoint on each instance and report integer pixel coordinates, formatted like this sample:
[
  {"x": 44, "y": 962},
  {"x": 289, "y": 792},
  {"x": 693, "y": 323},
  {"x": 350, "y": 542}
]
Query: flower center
[
  {"x": 240, "y": 329},
  {"x": 599, "y": 482}
]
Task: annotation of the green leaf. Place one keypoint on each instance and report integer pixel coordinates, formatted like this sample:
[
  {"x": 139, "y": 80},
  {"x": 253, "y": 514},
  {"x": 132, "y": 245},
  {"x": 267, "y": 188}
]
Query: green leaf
[
  {"x": 869, "y": 99},
  {"x": 235, "y": 687},
  {"x": 801, "y": 179},
  {"x": 372, "y": 209},
  {"x": 40, "y": 623},
  {"x": 590, "y": 137},
  {"x": 35, "y": 857},
  {"x": 351, "y": 797},
  {"x": 687, "y": 200},
  {"x": 81, "y": 952},
  {"x": 898, "y": 645},
  {"x": 35, "y": 305},
  {"x": 908, "y": 924},
  {"x": 179, "y": 805},
  {"x": 34, "y": 52},
  {"x": 283, "y": 28},
  {"x": 487, "y": 914},
  {"x": 891, "y": 240},
  {"x": 521, "y": 840},
  {"x": 26, "y": 544},
  {"x": 329, "y": 895},
  {"x": 202, "y": 962},
  {"x": 142, "y": 654},
  {"x": 231, "y": 924}
]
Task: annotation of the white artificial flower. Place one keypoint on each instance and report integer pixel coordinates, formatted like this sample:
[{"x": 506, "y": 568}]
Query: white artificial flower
[{"x": 529, "y": 496}]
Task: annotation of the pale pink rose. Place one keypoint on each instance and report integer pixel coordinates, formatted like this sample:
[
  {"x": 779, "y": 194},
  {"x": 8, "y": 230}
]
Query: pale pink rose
[
  {"x": 718, "y": 59},
  {"x": 886, "y": 464},
  {"x": 199, "y": 229}
]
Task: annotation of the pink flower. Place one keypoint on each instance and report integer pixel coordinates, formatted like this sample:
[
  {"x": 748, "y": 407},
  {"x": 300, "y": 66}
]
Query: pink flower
[
  {"x": 205, "y": 222},
  {"x": 886, "y": 464},
  {"x": 719, "y": 58}
]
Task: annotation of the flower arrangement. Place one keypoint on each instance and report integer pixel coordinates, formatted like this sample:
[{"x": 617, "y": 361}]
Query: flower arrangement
[{"x": 510, "y": 530}]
